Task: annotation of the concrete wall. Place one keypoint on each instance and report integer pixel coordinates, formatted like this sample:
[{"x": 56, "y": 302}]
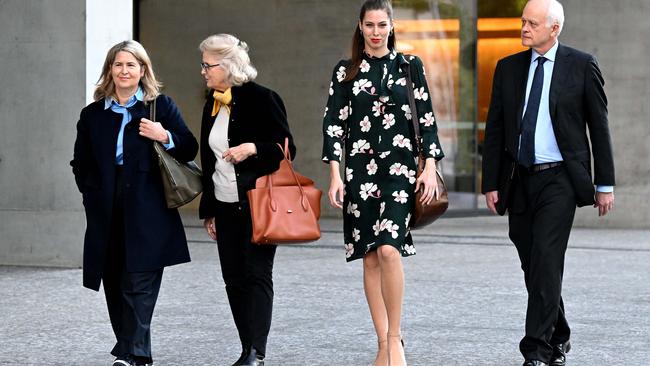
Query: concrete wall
[
  {"x": 293, "y": 44},
  {"x": 42, "y": 77},
  {"x": 617, "y": 33},
  {"x": 102, "y": 32}
]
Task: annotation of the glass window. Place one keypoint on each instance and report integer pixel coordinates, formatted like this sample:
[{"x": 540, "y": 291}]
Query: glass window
[
  {"x": 460, "y": 42},
  {"x": 443, "y": 35},
  {"x": 499, "y": 35}
]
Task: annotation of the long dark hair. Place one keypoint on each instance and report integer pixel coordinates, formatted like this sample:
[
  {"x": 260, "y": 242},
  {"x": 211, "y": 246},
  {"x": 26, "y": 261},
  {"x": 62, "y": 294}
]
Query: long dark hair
[{"x": 358, "y": 44}]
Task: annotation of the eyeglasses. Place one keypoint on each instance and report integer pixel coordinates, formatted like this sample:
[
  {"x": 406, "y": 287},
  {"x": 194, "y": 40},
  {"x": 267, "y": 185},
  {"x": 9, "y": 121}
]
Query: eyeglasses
[{"x": 206, "y": 66}]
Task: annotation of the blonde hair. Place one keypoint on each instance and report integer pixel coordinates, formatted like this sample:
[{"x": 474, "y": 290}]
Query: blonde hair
[
  {"x": 150, "y": 86},
  {"x": 234, "y": 57}
]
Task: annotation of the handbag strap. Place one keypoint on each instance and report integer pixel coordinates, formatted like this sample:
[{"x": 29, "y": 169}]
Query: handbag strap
[
  {"x": 287, "y": 153},
  {"x": 152, "y": 111},
  {"x": 303, "y": 200},
  {"x": 152, "y": 118},
  {"x": 414, "y": 118},
  {"x": 414, "y": 111}
]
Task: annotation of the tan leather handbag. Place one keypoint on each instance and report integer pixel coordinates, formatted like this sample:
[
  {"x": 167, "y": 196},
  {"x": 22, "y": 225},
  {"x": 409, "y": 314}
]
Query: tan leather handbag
[
  {"x": 181, "y": 181},
  {"x": 424, "y": 214},
  {"x": 285, "y": 206}
]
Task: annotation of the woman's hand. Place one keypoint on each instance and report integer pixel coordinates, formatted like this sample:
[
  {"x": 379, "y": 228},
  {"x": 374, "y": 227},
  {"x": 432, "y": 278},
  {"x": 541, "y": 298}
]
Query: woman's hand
[
  {"x": 239, "y": 153},
  {"x": 153, "y": 131},
  {"x": 335, "y": 192},
  {"x": 427, "y": 182},
  {"x": 209, "y": 226}
]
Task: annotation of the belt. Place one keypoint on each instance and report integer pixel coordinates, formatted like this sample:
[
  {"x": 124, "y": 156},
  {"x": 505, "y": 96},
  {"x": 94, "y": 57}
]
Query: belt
[{"x": 536, "y": 168}]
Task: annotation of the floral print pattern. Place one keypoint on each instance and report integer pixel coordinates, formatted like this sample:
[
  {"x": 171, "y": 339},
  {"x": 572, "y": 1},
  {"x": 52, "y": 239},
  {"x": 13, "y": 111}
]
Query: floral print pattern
[{"x": 368, "y": 119}]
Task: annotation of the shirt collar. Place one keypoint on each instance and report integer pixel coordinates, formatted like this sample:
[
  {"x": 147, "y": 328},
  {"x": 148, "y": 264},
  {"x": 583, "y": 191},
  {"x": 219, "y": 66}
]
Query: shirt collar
[
  {"x": 138, "y": 96},
  {"x": 389, "y": 56},
  {"x": 550, "y": 55}
]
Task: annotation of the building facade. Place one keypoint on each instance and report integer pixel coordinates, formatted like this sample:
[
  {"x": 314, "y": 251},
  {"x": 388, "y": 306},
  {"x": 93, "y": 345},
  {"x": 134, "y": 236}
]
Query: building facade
[{"x": 52, "y": 53}]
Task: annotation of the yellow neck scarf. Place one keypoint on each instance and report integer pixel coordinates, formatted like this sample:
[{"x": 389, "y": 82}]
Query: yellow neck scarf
[{"x": 220, "y": 99}]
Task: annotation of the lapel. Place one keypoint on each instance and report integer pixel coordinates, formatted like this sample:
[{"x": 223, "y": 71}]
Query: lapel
[
  {"x": 236, "y": 92},
  {"x": 105, "y": 128},
  {"x": 139, "y": 111},
  {"x": 521, "y": 78},
  {"x": 108, "y": 125},
  {"x": 562, "y": 58},
  {"x": 238, "y": 97}
]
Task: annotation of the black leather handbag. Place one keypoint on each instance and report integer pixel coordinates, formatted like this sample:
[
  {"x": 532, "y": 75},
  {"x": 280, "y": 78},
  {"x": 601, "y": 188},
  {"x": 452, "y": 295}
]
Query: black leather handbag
[{"x": 181, "y": 181}]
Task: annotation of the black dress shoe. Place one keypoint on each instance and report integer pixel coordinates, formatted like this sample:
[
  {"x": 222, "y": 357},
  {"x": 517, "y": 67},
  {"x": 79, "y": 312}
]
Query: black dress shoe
[
  {"x": 242, "y": 357},
  {"x": 130, "y": 360},
  {"x": 127, "y": 360},
  {"x": 534, "y": 363},
  {"x": 143, "y": 361},
  {"x": 559, "y": 354},
  {"x": 253, "y": 359}
]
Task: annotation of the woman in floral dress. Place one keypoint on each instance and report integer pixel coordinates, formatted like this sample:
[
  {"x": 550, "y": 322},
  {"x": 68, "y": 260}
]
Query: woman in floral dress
[{"x": 368, "y": 119}]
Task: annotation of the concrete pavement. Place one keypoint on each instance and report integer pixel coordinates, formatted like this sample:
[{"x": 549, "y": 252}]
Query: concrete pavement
[{"x": 465, "y": 304}]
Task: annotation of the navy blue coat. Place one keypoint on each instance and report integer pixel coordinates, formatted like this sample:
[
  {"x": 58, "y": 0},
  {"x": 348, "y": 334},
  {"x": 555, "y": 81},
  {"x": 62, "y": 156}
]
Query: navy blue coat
[{"x": 154, "y": 235}]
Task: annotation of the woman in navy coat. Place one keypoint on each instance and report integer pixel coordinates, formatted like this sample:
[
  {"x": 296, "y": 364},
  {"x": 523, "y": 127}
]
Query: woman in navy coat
[{"x": 131, "y": 235}]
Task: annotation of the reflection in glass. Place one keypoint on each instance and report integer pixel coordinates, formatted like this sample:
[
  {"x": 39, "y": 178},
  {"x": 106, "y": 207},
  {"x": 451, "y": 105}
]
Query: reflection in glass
[
  {"x": 459, "y": 42},
  {"x": 441, "y": 33}
]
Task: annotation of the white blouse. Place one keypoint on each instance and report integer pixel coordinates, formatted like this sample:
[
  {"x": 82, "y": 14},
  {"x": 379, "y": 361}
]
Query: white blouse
[{"x": 224, "y": 178}]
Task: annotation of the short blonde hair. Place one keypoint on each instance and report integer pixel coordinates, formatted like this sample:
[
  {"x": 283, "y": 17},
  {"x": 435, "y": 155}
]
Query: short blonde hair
[
  {"x": 234, "y": 57},
  {"x": 150, "y": 86}
]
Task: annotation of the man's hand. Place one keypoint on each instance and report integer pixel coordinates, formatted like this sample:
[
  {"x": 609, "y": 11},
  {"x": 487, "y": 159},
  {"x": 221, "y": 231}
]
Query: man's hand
[
  {"x": 604, "y": 202},
  {"x": 491, "y": 198}
]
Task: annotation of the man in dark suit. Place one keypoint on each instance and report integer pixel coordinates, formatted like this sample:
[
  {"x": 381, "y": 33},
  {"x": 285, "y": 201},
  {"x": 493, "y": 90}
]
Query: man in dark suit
[{"x": 537, "y": 164}]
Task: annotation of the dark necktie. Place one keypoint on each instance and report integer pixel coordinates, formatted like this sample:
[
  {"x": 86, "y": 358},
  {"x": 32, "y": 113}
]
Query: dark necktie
[{"x": 529, "y": 122}]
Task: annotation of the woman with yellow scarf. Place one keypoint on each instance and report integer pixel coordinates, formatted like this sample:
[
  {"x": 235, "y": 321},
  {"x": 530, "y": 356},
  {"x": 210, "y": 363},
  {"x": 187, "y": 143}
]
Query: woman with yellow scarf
[{"x": 242, "y": 124}]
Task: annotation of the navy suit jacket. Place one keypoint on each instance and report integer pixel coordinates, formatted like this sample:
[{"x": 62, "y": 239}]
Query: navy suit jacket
[
  {"x": 154, "y": 234},
  {"x": 577, "y": 102}
]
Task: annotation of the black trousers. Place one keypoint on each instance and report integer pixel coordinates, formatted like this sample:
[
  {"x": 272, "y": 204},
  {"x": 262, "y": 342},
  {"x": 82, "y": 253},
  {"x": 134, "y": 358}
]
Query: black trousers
[
  {"x": 247, "y": 271},
  {"x": 130, "y": 296},
  {"x": 541, "y": 233}
]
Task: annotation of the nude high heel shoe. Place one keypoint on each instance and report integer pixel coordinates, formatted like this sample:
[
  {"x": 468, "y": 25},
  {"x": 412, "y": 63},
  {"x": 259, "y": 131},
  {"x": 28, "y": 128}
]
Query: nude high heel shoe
[{"x": 399, "y": 335}]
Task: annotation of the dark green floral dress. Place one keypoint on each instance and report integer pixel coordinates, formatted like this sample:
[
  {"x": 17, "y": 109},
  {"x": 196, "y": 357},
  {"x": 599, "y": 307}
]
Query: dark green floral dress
[{"x": 368, "y": 119}]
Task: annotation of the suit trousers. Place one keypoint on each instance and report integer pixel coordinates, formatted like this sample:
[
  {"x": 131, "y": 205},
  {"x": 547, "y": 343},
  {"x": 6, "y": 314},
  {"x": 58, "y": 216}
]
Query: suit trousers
[
  {"x": 540, "y": 231},
  {"x": 247, "y": 271},
  {"x": 130, "y": 296}
]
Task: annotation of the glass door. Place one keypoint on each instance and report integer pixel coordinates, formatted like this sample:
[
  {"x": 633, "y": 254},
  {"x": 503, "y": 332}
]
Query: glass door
[
  {"x": 499, "y": 35},
  {"x": 443, "y": 35}
]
